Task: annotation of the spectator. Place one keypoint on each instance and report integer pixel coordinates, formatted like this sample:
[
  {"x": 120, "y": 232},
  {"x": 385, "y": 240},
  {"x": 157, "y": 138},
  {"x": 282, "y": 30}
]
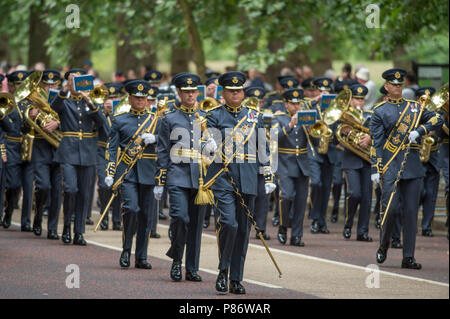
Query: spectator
[
  {"x": 330, "y": 74},
  {"x": 346, "y": 74},
  {"x": 363, "y": 77},
  {"x": 307, "y": 72},
  {"x": 409, "y": 92}
]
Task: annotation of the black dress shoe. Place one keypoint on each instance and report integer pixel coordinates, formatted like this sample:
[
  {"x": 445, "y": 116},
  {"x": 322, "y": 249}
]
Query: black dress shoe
[
  {"x": 347, "y": 232},
  {"x": 315, "y": 227},
  {"x": 142, "y": 264},
  {"x": 26, "y": 228},
  {"x": 66, "y": 237},
  {"x": 117, "y": 226},
  {"x": 381, "y": 254},
  {"x": 275, "y": 221},
  {"x": 6, "y": 221},
  {"x": 334, "y": 218},
  {"x": 175, "y": 270},
  {"x": 89, "y": 221},
  {"x": 297, "y": 241},
  {"x": 396, "y": 243},
  {"x": 104, "y": 225},
  {"x": 52, "y": 234},
  {"x": 162, "y": 216},
  {"x": 79, "y": 240},
  {"x": 37, "y": 230},
  {"x": 45, "y": 212},
  {"x": 264, "y": 235},
  {"x": 324, "y": 230},
  {"x": 124, "y": 260},
  {"x": 222, "y": 282},
  {"x": 206, "y": 223},
  {"x": 236, "y": 288},
  {"x": 282, "y": 234},
  {"x": 193, "y": 276},
  {"x": 155, "y": 235},
  {"x": 364, "y": 237},
  {"x": 427, "y": 233},
  {"x": 410, "y": 263}
]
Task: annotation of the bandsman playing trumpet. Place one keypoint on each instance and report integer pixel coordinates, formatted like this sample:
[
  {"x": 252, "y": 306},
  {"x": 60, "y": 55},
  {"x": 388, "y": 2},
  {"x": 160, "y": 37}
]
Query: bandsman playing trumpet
[
  {"x": 80, "y": 119},
  {"x": 395, "y": 128}
]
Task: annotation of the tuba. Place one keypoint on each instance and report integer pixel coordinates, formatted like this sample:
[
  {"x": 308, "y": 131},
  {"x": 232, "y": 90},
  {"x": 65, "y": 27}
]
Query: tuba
[
  {"x": 30, "y": 90},
  {"x": 208, "y": 103},
  {"x": 7, "y": 104},
  {"x": 352, "y": 118}
]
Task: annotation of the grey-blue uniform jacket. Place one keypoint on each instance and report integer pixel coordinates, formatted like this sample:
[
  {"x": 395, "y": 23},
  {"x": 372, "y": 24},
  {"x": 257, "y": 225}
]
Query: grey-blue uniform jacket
[
  {"x": 124, "y": 128},
  {"x": 246, "y": 169},
  {"x": 292, "y": 148},
  {"x": 179, "y": 146},
  {"x": 390, "y": 125},
  {"x": 78, "y": 124}
]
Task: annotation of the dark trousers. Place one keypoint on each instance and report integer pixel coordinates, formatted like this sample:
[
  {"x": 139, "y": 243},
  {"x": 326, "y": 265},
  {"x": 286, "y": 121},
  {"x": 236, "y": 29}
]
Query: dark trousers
[
  {"x": 429, "y": 196},
  {"x": 358, "y": 193},
  {"x": 261, "y": 204},
  {"x": 321, "y": 178},
  {"x": 137, "y": 205},
  {"x": 186, "y": 225},
  {"x": 19, "y": 175},
  {"x": 48, "y": 184},
  {"x": 406, "y": 201},
  {"x": 293, "y": 196},
  {"x": 233, "y": 229},
  {"x": 2, "y": 189},
  {"x": 76, "y": 182}
]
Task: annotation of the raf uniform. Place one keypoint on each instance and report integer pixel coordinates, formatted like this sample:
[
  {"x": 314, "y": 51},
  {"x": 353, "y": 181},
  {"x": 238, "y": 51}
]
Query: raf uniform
[
  {"x": 393, "y": 123},
  {"x": 442, "y": 134},
  {"x": 79, "y": 122},
  {"x": 127, "y": 132},
  {"x": 431, "y": 180},
  {"x": 153, "y": 77},
  {"x": 262, "y": 200},
  {"x": 2, "y": 165},
  {"x": 105, "y": 193},
  {"x": 233, "y": 224},
  {"x": 178, "y": 169},
  {"x": 293, "y": 171},
  {"x": 358, "y": 183},
  {"x": 48, "y": 179},
  {"x": 321, "y": 169},
  {"x": 18, "y": 173}
]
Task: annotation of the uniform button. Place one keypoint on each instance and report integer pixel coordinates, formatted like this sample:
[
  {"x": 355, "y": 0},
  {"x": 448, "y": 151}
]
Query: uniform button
[
  {"x": 81, "y": 114},
  {"x": 139, "y": 124},
  {"x": 192, "y": 131},
  {"x": 296, "y": 139},
  {"x": 78, "y": 108},
  {"x": 79, "y": 122}
]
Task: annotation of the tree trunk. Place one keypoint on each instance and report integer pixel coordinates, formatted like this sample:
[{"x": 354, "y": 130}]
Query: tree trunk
[
  {"x": 79, "y": 52},
  {"x": 179, "y": 59},
  {"x": 400, "y": 58},
  {"x": 194, "y": 38},
  {"x": 4, "y": 47},
  {"x": 39, "y": 31}
]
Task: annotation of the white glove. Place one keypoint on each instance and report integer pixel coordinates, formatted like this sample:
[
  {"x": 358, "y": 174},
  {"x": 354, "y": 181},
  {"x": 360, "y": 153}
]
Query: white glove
[
  {"x": 413, "y": 136},
  {"x": 148, "y": 138},
  {"x": 210, "y": 145},
  {"x": 270, "y": 187},
  {"x": 109, "y": 180},
  {"x": 375, "y": 178},
  {"x": 158, "y": 191}
]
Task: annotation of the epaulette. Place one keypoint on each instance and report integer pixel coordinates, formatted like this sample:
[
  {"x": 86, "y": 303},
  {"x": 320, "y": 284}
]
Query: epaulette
[
  {"x": 369, "y": 111},
  {"x": 378, "y": 105},
  {"x": 277, "y": 101},
  {"x": 267, "y": 111},
  {"x": 271, "y": 93},
  {"x": 280, "y": 113}
]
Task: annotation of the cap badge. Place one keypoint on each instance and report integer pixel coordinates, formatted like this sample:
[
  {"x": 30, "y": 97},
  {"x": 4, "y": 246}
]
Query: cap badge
[
  {"x": 290, "y": 83},
  {"x": 20, "y": 75},
  {"x": 427, "y": 92},
  {"x": 112, "y": 89},
  {"x": 325, "y": 82},
  {"x": 50, "y": 75},
  {"x": 295, "y": 94},
  {"x": 189, "y": 81},
  {"x": 397, "y": 75},
  {"x": 257, "y": 93},
  {"x": 153, "y": 75},
  {"x": 359, "y": 90},
  {"x": 216, "y": 81},
  {"x": 151, "y": 92},
  {"x": 140, "y": 87},
  {"x": 235, "y": 80}
]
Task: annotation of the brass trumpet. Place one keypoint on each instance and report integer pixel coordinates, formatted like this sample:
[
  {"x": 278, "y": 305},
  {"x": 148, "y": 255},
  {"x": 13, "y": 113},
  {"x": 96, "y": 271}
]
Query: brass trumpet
[
  {"x": 7, "y": 104},
  {"x": 208, "y": 103},
  {"x": 99, "y": 94}
]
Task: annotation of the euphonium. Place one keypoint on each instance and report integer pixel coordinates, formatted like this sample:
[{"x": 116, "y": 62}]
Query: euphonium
[
  {"x": 425, "y": 148},
  {"x": 30, "y": 90},
  {"x": 207, "y": 104},
  {"x": 7, "y": 104},
  {"x": 321, "y": 131},
  {"x": 251, "y": 103}
]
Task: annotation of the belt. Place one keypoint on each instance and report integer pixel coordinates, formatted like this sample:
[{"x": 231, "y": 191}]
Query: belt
[
  {"x": 292, "y": 151},
  {"x": 186, "y": 153},
  {"x": 149, "y": 156},
  {"x": 80, "y": 134},
  {"x": 412, "y": 147},
  {"x": 14, "y": 139},
  {"x": 102, "y": 144},
  {"x": 445, "y": 141}
]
